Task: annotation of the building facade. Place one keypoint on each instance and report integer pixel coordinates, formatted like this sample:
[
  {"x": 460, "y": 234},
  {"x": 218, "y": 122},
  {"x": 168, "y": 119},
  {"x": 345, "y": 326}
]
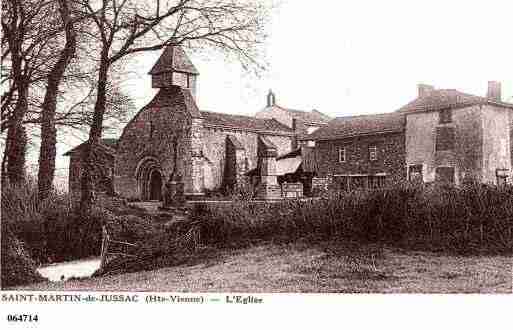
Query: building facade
[
  {"x": 171, "y": 139},
  {"x": 443, "y": 135}
]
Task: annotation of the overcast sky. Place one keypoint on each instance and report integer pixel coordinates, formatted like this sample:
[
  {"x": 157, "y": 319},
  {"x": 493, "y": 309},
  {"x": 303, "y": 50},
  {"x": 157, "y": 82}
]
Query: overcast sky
[{"x": 358, "y": 57}]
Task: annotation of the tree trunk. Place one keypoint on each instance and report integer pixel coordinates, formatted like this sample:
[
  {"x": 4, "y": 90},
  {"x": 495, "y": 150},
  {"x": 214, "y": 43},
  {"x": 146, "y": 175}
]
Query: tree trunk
[
  {"x": 95, "y": 133},
  {"x": 16, "y": 142},
  {"x": 15, "y": 146},
  {"x": 47, "y": 150}
]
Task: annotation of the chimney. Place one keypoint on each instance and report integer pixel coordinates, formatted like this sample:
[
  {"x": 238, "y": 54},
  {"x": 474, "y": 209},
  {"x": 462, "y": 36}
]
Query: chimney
[
  {"x": 494, "y": 91},
  {"x": 271, "y": 99},
  {"x": 425, "y": 90}
]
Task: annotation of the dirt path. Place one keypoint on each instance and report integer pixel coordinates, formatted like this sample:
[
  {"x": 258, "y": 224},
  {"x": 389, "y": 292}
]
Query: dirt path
[{"x": 302, "y": 268}]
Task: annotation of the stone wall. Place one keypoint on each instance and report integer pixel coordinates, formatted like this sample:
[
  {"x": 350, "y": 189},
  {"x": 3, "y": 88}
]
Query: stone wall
[
  {"x": 102, "y": 174},
  {"x": 511, "y": 139},
  {"x": 236, "y": 165},
  {"x": 151, "y": 136},
  {"x": 391, "y": 156},
  {"x": 496, "y": 142},
  {"x": 465, "y": 152},
  {"x": 214, "y": 149}
]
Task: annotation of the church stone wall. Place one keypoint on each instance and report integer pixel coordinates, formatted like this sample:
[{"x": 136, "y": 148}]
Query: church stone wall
[
  {"x": 214, "y": 149},
  {"x": 151, "y": 136}
]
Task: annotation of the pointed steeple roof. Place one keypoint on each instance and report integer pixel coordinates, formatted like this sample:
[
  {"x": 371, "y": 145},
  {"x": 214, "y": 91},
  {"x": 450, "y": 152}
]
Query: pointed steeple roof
[{"x": 174, "y": 58}]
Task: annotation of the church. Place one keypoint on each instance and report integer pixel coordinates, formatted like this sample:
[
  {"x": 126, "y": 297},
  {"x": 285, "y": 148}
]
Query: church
[{"x": 210, "y": 152}]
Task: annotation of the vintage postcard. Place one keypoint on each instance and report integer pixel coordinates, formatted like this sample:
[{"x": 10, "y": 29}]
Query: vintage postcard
[{"x": 177, "y": 157}]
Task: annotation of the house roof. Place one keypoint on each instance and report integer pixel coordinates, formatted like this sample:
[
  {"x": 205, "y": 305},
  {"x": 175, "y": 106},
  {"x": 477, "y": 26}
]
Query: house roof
[
  {"x": 174, "y": 58},
  {"x": 108, "y": 143},
  {"x": 312, "y": 117},
  {"x": 344, "y": 127},
  {"x": 243, "y": 122},
  {"x": 447, "y": 98}
]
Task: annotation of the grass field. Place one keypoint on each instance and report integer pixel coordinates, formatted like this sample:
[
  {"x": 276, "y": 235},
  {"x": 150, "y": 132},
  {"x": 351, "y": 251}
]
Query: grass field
[{"x": 313, "y": 268}]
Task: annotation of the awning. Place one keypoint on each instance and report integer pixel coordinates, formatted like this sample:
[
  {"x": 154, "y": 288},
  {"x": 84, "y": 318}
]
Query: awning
[
  {"x": 288, "y": 165},
  {"x": 283, "y": 166}
]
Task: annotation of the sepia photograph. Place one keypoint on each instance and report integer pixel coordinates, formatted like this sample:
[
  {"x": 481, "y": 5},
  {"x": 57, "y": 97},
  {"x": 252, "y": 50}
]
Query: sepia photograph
[{"x": 239, "y": 151}]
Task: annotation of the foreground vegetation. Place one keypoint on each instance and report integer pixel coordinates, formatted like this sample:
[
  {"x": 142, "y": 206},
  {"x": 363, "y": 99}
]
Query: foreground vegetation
[
  {"x": 470, "y": 220},
  {"x": 308, "y": 267}
]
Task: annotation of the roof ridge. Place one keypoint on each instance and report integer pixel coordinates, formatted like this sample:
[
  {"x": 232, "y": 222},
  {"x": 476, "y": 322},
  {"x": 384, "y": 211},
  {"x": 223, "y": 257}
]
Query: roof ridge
[{"x": 370, "y": 115}]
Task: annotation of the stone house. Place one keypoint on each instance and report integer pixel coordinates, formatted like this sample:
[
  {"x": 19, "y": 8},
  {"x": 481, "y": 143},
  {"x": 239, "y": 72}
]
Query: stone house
[
  {"x": 442, "y": 135},
  {"x": 361, "y": 151},
  {"x": 171, "y": 138},
  {"x": 104, "y": 155}
]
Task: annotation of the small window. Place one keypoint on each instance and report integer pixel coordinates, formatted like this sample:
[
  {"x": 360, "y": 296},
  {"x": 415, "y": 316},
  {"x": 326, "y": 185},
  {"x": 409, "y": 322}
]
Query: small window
[
  {"x": 373, "y": 153},
  {"x": 445, "y": 138},
  {"x": 415, "y": 174},
  {"x": 445, "y": 116},
  {"x": 445, "y": 175},
  {"x": 341, "y": 155}
]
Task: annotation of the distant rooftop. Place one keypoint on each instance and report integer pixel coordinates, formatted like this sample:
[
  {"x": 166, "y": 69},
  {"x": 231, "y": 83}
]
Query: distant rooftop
[
  {"x": 243, "y": 122},
  {"x": 309, "y": 117},
  {"x": 439, "y": 99},
  {"x": 345, "y": 127}
]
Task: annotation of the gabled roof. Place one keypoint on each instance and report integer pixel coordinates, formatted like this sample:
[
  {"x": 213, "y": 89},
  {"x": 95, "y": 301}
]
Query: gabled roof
[
  {"x": 243, "y": 122},
  {"x": 345, "y": 127},
  {"x": 109, "y": 144},
  {"x": 309, "y": 117},
  {"x": 174, "y": 58},
  {"x": 445, "y": 99}
]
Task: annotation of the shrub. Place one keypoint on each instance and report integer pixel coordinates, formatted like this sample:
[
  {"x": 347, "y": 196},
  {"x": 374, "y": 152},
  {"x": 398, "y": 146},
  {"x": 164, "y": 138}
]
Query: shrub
[
  {"x": 18, "y": 268},
  {"x": 50, "y": 231},
  {"x": 469, "y": 219}
]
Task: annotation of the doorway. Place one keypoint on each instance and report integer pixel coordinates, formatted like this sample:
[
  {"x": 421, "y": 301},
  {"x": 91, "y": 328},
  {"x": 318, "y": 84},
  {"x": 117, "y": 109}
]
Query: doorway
[{"x": 155, "y": 186}]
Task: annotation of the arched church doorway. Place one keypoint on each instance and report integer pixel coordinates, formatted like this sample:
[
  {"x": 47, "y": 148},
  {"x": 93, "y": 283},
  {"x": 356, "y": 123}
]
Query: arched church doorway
[
  {"x": 155, "y": 186},
  {"x": 149, "y": 179}
]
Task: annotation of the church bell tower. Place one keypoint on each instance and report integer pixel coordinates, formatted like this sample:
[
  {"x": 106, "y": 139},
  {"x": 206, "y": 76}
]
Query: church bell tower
[{"x": 174, "y": 68}]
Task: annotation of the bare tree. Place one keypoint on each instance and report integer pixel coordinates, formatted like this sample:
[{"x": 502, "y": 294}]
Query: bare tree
[
  {"x": 127, "y": 27},
  {"x": 38, "y": 45},
  {"x": 47, "y": 151},
  {"x": 24, "y": 36}
]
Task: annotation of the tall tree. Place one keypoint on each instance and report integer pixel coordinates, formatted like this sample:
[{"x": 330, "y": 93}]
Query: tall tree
[
  {"x": 127, "y": 27},
  {"x": 47, "y": 151},
  {"x": 17, "y": 20}
]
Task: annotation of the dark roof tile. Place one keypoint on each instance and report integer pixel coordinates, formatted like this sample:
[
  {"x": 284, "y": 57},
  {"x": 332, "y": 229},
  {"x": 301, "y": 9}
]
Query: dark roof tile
[
  {"x": 109, "y": 143},
  {"x": 313, "y": 116},
  {"x": 344, "y": 127},
  {"x": 243, "y": 122},
  {"x": 447, "y": 98},
  {"x": 174, "y": 58}
]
